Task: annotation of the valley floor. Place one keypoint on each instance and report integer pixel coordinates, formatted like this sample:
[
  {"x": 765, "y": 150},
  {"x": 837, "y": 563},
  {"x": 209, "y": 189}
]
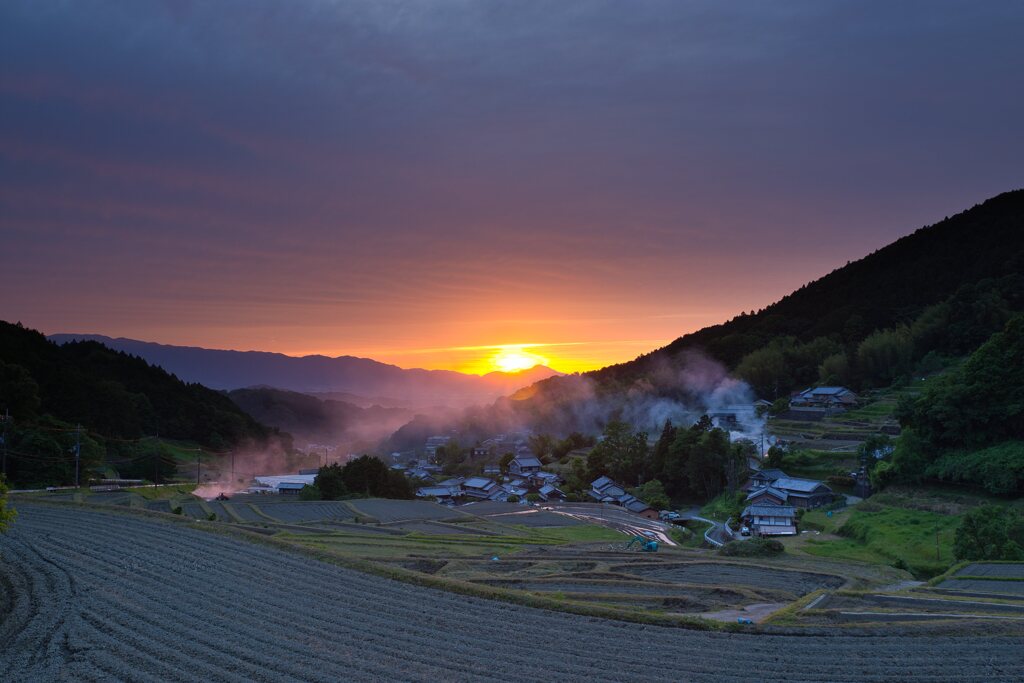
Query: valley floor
[{"x": 91, "y": 595}]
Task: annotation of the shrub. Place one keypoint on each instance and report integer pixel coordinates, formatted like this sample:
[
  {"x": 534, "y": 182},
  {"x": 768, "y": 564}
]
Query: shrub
[
  {"x": 841, "y": 480},
  {"x": 310, "y": 492},
  {"x": 212, "y": 517},
  {"x": 533, "y": 497},
  {"x": 513, "y": 498},
  {"x": 990, "y": 532},
  {"x": 177, "y": 510}
]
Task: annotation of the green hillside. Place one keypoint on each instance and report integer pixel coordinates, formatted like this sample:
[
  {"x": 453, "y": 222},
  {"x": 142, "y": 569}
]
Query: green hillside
[{"x": 49, "y": 390}]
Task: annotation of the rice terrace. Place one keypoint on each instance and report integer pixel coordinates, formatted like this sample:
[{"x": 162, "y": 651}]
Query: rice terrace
[{"x": 94, "y": 591}]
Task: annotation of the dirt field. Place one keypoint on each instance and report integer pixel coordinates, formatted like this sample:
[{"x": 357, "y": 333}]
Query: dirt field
[
  {"x": 798, "y": 583},
  {"x": 90, "y": 595}
]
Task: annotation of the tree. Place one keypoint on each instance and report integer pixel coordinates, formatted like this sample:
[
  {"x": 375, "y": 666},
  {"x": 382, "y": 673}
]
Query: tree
[
  {"x": 369, "y": 476},
  {"x": 7, "y": 515},
  {"x": 331, "y": 482},
  {"x": 990, "y": 532},
  {"x": 621, "y": 454},
  {"x": 773, "y": 459},
  {"x": 505, "y": 460},
  {"x": 541, "y": 445},
  {"x": 885, "y": 355},
  {"x": 310, "y": 492},
  {"x": 766, "y": 370},
  {"x": 653, "y": 493}
]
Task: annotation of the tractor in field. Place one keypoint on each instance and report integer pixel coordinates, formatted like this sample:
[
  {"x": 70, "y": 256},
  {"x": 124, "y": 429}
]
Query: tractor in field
[{"x": 647, "y": 545}]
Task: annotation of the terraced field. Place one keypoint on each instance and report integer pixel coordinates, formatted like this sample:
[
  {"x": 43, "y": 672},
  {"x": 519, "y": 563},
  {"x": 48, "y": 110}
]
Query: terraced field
[{"x": 92, "y": 595}]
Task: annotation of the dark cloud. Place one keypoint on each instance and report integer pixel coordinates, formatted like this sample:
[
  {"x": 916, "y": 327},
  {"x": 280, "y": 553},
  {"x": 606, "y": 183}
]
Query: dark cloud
[{"x": 364, "y": 168}]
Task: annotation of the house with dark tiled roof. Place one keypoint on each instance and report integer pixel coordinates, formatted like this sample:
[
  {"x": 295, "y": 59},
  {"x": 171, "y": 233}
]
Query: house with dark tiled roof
[
  {"x": 524, "y": 464},
  {"x": 770, "y": 520},
  {"x": 801, "y": 493},
  {"x": 769, "y": 495},
  {"x": 605, "y": 490},
  {"x": 836, "y": 399}
]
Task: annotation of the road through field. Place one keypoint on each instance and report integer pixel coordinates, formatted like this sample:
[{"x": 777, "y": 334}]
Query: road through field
[{"x": 89, "y": 595}]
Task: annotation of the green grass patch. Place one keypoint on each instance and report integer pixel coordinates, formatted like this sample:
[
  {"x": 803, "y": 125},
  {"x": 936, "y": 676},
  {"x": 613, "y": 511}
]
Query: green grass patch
[
  {"x": 162, "y": 492},
  {"x": 894, "y": 536}
]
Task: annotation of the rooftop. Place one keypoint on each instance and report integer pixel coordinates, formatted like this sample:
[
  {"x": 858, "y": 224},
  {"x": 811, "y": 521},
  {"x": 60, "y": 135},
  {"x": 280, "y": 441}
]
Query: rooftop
[{"x": 798, "y": 485}]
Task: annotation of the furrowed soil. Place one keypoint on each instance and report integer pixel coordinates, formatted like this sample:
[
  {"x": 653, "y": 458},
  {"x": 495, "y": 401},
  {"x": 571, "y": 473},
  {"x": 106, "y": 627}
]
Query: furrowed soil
[{"x": 94, "y": 595}]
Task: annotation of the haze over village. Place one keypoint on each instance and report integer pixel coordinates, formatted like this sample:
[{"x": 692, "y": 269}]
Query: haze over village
[{"x": 684, "y": 341}]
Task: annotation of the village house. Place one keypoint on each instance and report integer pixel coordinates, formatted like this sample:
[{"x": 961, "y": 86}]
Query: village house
[
  {"x": 770, "y": 520},
  {"x": 523, "y": 465},
  {"x": 773, "y": 486},
  {"x": 433, "y": 443},
  {"x": 605, "y": 490},
  {"x": 804, "y": 493},
  {"x": 480, "y": 488},
  {"x": 767, "y": 496},
  {"x": 832, "y": 399},
  {"x": 440, "y": 493}
]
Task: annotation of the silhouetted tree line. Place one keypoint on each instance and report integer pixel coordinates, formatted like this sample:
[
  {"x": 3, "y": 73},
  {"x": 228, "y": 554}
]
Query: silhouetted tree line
[
  {"x": 687, "y": 462},
  {"x": 364, "y": 476},
  {"x": 48, "y": 390}
]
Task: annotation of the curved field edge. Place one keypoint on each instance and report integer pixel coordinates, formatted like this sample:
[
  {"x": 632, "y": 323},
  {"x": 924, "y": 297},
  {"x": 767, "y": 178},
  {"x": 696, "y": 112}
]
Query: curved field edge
[
  {"x": 782, "y": 626},
  {"x": 408, "y": 576},
  {"x": 133, "y": 599}
]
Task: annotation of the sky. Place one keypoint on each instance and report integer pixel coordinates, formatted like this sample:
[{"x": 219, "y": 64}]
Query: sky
[{"x": 437, "y": 184}]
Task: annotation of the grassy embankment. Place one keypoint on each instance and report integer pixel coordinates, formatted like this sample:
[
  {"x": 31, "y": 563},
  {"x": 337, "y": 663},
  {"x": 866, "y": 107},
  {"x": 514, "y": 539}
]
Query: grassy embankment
[{"x": 911, "y": 528}]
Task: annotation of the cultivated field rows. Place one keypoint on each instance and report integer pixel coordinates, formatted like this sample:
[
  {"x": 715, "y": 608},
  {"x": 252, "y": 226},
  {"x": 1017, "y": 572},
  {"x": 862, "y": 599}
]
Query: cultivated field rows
[{"x": 96, "y": 595}]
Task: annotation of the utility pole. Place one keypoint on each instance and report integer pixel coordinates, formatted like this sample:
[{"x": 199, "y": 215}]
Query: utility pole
[
  {"x": 78, "y": 452},
  {"x": 937, "y": 543},
  {"x": 3, "y": 439},
  {"x": 156, "y": 462}
]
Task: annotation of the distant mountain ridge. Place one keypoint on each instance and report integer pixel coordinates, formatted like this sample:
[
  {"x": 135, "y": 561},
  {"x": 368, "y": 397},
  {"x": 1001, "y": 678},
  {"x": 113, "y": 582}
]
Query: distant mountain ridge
[{"x": 359, "y": 377}]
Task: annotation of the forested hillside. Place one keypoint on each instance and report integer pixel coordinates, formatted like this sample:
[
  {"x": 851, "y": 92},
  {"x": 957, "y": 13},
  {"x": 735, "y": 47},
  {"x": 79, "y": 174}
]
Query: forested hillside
[
  {"x": 968, "y": 426},
  {"x": 944, "y": 288},
  {"x": 48, "y": 390}
]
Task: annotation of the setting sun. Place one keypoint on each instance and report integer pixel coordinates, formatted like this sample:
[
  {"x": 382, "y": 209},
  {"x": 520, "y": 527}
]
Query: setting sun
[{"x": 515, "y": 359}]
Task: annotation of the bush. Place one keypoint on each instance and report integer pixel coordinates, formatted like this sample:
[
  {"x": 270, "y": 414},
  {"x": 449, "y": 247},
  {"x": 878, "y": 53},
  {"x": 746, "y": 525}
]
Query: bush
[
  {"x": 841, "y": 480},
  {"x": 755, "y": 547},
  {"x": 990, "y": 532},
  {"x": 310, "y": 492},
  {"x": 212, "y": 517},
  {"x": 177, "y": 510},
  {"x": 533, "y": 497},
  {"x": 513, "y": 498}
]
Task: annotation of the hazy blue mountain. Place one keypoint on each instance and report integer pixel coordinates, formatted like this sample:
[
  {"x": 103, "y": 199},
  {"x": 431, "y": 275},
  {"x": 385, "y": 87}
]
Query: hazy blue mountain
[{"x": 358, "y": 377}]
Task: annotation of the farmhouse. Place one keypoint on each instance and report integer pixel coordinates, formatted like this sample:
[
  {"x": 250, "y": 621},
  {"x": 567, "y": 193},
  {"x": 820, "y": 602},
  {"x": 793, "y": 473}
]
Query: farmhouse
[
  {"x": 774, "y": 487},
  {"x": 289, "y": 488},
  {"x": 604, "y": 490},
  {"x": 550, "y": 492},
  {"x": 770, "y": 520},
  {"x": 832, "y": 398},
  {"x": 804, "y": 493},
  {"x": 480, "y": 488},
  {"x": 524, "y": 464},
  {"x": 768, "y": 495},
  {"x": 441, "y": 493}
]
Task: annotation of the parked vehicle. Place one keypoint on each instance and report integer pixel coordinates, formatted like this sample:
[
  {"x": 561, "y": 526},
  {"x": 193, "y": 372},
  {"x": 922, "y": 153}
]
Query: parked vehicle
[{"x": 744, "y": 531}]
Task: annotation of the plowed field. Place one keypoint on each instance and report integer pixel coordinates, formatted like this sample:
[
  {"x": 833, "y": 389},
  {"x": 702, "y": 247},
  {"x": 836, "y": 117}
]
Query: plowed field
[{"x": 92, "y": 595}]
